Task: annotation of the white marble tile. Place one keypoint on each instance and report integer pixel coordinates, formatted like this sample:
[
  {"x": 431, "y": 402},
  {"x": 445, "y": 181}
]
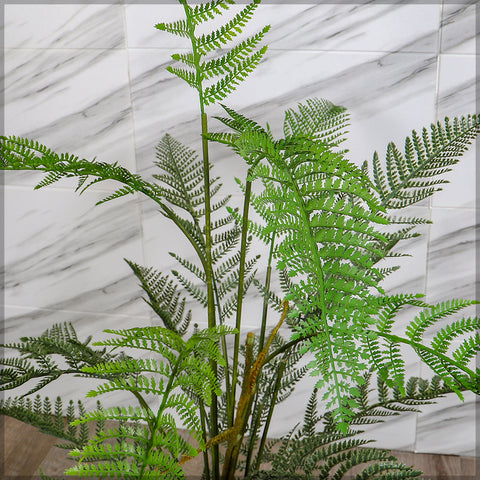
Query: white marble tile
[
  {"x": 63, "y": 26},
  {"x": 456, "y": 97},
  {"x": 448, "y": 427},
  {"x": 451, "y": 270},
  {"x": 76, "y": 101},
  {"x": 408, "y": 28},
  {"x": 458, "y": 29},
  {"x": 63, "y": 253}
]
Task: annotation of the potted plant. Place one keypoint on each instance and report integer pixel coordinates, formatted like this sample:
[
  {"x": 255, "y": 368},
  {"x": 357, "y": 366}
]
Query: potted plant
[{"x": 328, "y": 225}]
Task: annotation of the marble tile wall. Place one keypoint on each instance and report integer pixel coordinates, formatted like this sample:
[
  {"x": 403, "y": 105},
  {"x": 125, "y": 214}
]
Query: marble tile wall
[{"x": 91, "y": 80}]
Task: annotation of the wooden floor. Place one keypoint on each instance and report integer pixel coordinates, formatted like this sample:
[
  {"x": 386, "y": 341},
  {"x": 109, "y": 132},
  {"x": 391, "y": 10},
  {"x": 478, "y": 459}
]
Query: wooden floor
[{"x": 25, "y": 450}]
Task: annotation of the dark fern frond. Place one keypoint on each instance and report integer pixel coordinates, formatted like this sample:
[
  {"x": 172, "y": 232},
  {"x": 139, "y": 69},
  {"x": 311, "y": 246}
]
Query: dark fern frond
[
  {"x": 39, "y": 358},
  {"x": 195, "y": 291},
  {"x": 182, "y": 173},
  {"x": 410, "y": 176},
  {"x": 44, "y": 420},
  {"x": 122, "y": 192},
  {"x": 163, "y": 297},
  {"x": 316, "y": 449}
]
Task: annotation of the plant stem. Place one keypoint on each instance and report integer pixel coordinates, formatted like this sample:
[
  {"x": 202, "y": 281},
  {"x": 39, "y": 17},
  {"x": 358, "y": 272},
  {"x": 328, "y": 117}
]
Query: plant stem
[
  {"x": 281, "y": 369},
  {"x": 166, "y": 396},
  {"x": 210, "y": 290},
  {"x": 241, "y": 279},
  {"x": 267, "y": 288},
  {"x": 206, "y": 467}
]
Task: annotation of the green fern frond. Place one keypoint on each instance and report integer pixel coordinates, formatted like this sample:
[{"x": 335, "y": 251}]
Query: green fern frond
[
  {"x": 40, "y": 354},
  {"x": 225, "y": 34},
  {"x": 325, "y": 236},
  {"x": 410, "y": 176},
  {"x": 226, "y": 85},
  {"x": 205, "y": 11},
  {"x": 197, "y": 271},
  {"x": 179, "y": 28},
  {"x": 319, "y": 118},
  {"x": 419, "y": 324},
  {"x": 39, "y": 414},
  {"x": 182, "y": 175},
  {"x": 444, "y": 337},
  {"x": 24, "y": 154},
  {"x": 233, "y": 66},
  {"x": 122, "y": 192},
  {"x": 223, "y": 65},
  {"x": 194, "y": 290},
  {"x": 154, "y": 450}
]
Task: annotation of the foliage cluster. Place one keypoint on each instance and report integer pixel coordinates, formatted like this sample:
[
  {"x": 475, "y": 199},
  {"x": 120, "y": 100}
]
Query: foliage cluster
[{"x": 328, "y": 225}]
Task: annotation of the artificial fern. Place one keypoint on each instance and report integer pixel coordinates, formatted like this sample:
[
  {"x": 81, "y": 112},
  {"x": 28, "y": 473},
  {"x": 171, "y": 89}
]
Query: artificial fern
[
  {"x": 306, "y": 187},
  {"x": 321, "y": 217},
  {"x": 324, "y": 210}
]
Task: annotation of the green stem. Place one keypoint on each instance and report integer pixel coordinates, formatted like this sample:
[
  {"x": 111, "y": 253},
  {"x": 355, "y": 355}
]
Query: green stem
[
  {"x": 241, "y": 279},
  {"x": 203, "y": 416},
  {"x": 210, "y": 290},
  {"x": 267, "y": 288},
  {"x": 280, "y": 371},
  {"x": 254, "y": 427},
  {"x": 166, "y": 396}
]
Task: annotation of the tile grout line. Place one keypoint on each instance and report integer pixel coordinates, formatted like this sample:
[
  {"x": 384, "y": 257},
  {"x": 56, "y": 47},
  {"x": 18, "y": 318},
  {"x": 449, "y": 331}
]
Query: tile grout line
[
  {"x": 430, "y": 205},
  {"x": 138, "y": 203}
]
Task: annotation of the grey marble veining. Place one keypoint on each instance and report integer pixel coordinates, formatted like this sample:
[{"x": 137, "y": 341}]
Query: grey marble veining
[
  {"x": 74, "y": 101},
  {"x": 49, "y": 26},
  {"x": 62, "y": 253},
  {"x": 91, "y": 80},
  {"x": 329, "y": 27},
  {"x": 458, "y": 27}
]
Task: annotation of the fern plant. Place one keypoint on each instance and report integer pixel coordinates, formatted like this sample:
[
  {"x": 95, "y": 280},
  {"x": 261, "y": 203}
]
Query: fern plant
[{"x": 328, "y": 225}]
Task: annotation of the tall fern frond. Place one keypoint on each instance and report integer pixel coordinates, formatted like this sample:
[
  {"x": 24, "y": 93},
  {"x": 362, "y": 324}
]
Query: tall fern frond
[
  {"x": 323, "y": 208},
  {"x": 226, "y": 71}
]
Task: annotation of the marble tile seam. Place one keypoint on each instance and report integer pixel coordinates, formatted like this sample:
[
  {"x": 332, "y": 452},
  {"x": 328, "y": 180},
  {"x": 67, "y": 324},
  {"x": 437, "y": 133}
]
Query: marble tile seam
[
  {"x": 100, "y": 191},
  {"x": 85, "y": 313},
  {"x": 270, "y": 49}
]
